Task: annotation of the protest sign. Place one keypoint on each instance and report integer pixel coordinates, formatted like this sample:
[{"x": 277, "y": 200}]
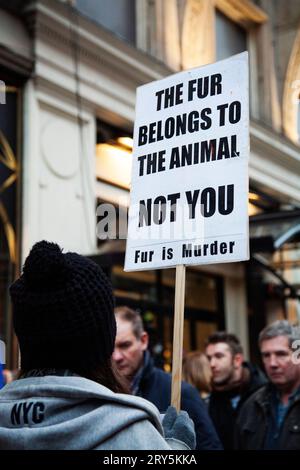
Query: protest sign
[{"x": 189, "y": 187}]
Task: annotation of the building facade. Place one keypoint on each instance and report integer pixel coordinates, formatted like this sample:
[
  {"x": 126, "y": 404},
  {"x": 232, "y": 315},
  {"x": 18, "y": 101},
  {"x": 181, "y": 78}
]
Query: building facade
[{"x": 70, "y": 70}]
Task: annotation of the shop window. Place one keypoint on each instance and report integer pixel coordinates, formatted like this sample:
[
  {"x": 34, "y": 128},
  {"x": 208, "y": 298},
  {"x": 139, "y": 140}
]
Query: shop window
[
  {"x": 9, "y": 180},
  {"x": 200, "y": 290},
  {"x": 168, "y": 340},
  {"x": 137, "y": 285},
  {"x": 120, "y": 18},
  {"x": 113, "y": 155},
  {"x": 203, "y": 330},
  {"x": 186, "y": 336},
  {"x": 286, "y": 261},
  {"x": 260, "y": 202}
]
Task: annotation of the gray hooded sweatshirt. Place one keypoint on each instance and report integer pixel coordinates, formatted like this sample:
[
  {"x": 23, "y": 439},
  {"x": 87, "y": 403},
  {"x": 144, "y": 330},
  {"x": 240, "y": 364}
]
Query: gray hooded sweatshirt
[{"x": 54, "y": 412}]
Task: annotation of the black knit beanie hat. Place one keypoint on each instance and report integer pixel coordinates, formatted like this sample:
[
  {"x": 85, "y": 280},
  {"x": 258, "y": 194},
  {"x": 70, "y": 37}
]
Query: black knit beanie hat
[{"x": 63, "y": 310}]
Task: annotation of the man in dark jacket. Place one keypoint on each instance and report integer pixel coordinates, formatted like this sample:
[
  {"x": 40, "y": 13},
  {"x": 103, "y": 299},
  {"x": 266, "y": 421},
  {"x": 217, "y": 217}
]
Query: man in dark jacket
[
  {"x": 270, "y": 419},
  {"x": 233, "y": 381},
  {"x": 134, "y": 362},
  {"x": 2, "y": 354}
]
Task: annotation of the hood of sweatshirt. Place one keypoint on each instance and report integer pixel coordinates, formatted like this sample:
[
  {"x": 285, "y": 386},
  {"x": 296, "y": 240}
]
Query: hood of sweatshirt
[{"x": 54, "y": 412}]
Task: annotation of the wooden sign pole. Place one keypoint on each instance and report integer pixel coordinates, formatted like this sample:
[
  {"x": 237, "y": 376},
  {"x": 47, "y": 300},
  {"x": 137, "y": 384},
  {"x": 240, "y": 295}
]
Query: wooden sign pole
[{"x": 178, "y": 336}]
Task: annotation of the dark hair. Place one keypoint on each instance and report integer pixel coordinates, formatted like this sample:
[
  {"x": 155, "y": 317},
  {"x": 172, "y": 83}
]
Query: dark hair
[
  {"x": 104, "y": 374},
  {"x": 132, "y": 316},
  {"x": 229, "y": 338}
]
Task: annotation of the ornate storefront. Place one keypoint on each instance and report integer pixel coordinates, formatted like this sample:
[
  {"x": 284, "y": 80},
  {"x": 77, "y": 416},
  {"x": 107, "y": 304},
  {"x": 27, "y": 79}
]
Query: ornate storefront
[{"x": 9, "y": 207}]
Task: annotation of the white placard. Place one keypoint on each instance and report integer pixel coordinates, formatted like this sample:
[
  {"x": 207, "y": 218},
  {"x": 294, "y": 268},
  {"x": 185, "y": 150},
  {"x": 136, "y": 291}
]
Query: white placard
[{"x": 189, "y": 188}]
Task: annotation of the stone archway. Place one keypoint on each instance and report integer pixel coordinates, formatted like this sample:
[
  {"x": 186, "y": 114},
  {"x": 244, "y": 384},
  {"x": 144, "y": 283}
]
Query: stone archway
[{"x": 291, "y": 93}]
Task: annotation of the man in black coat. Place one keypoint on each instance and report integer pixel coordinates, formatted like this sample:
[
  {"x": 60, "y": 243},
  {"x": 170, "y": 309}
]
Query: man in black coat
[
  {"x": 134, "y": 362},
  {"x": 233, "y": 381},
  {"x": 270, "y": 418}
]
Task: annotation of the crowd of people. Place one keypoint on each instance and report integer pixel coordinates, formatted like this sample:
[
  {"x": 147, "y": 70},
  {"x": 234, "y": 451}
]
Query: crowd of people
[
  {"x": 88, "y": 381},
  {"x": 240, "y": 399}
]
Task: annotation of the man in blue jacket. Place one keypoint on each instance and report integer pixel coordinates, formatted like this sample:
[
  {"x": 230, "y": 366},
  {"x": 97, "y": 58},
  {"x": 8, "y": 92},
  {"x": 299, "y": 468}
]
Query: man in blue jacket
[{"x": 134, "y": 362}]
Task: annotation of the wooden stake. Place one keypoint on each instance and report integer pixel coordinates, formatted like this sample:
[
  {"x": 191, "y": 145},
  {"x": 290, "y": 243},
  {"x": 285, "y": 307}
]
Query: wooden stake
[{"x": 178, "y": 336}]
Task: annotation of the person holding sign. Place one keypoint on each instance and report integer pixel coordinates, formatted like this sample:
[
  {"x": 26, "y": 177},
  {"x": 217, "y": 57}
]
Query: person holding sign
[
  {"x": 134, "y": 362},
  {"x": 68, "y": 395}
]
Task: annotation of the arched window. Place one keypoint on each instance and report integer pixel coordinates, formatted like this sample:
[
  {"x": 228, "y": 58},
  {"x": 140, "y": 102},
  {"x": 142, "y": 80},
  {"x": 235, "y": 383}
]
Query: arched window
[{"x": 291, "y": 106}]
